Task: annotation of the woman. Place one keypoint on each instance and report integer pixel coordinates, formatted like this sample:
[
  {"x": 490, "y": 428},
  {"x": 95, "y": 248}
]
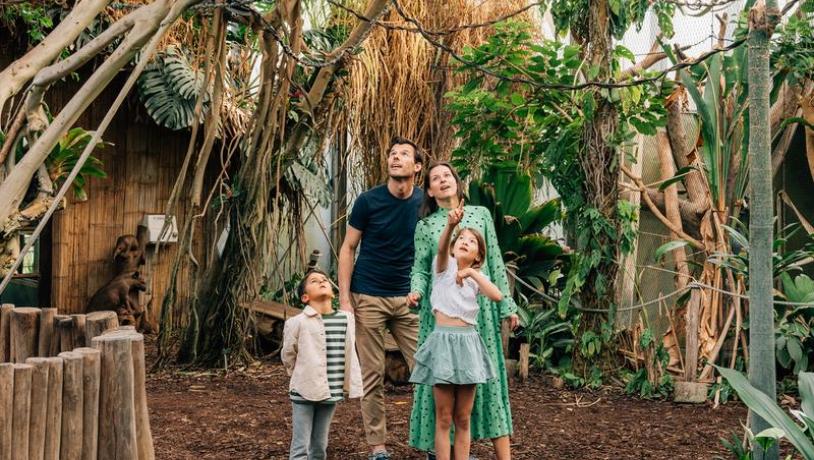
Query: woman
[{"x": 491, "y": 415}]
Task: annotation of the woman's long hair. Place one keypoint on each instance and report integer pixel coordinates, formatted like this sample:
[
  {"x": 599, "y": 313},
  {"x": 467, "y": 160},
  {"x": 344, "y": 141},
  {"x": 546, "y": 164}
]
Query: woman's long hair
[{"x": 429, "y": 205}]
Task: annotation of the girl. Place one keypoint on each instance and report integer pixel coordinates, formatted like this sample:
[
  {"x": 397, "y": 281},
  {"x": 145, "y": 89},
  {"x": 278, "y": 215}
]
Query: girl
[{"x": 454, "y": 358}]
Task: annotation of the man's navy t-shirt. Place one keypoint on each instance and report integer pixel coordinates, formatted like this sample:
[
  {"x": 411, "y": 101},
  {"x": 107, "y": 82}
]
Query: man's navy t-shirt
[{"x": 386, "y": 252}]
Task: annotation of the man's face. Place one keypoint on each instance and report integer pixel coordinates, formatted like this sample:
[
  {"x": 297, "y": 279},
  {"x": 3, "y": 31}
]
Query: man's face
[{"x": 401, "y": 162}]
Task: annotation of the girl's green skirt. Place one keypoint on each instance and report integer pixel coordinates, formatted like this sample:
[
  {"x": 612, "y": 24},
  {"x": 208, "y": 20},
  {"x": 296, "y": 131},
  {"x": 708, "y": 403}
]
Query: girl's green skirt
[{"x": 453, "y": 355}]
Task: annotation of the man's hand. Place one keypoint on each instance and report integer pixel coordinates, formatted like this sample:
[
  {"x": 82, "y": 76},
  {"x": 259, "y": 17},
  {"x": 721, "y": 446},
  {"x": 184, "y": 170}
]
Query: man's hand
[
  {"x": 413, "y": 298},
  {"x": 345, "y": 304}
]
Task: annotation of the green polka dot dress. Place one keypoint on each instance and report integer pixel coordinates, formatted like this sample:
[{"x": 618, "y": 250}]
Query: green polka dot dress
[{"x": 491, "y": 414}]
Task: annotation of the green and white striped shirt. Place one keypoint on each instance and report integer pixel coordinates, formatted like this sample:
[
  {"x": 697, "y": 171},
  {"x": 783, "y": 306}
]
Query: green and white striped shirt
[{"x": 336, "y": 328}]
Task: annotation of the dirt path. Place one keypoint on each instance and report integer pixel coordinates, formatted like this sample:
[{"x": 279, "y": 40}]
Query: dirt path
[{"x": 247, "y": 416}]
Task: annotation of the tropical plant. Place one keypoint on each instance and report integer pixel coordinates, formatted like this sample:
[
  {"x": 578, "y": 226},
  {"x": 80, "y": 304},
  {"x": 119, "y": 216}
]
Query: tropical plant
[
  {"x": 507, "y": 193},
  {"x": 550, "y": 338},
  {"x": 801, "y": 437},
  {"x": 169, "y": 88},
  {"x": 737, "y": 259},
  {"x": 63, "y": 159},
  {"x": 793, "y": 324}
]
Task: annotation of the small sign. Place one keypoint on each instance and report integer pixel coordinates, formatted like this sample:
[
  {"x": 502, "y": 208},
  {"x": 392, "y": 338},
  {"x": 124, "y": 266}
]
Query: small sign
[{"x": 155, "y": 224}]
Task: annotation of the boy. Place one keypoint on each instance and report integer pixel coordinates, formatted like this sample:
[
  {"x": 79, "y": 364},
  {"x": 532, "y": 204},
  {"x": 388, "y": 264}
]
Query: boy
[{"x": 319, "y": 353}]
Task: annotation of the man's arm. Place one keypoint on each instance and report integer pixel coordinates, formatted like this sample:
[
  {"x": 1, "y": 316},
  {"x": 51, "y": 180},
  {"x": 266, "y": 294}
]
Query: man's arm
[{"x": 346, "y": 259}]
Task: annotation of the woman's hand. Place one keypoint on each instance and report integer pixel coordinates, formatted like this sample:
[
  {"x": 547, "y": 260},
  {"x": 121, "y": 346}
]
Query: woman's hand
[
  {"x": 513, "y": 320},
  {"x": 413, "y": 298}
]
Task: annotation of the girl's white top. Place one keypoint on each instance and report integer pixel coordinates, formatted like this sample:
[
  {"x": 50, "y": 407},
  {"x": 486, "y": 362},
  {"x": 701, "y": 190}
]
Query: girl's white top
[{"x": 450, "y": 299}]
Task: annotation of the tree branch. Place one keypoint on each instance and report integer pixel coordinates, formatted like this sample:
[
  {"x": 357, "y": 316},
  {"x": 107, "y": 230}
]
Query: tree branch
[
  {"x": 13, "y": 77},
  {"x": 656, "y": 212}
]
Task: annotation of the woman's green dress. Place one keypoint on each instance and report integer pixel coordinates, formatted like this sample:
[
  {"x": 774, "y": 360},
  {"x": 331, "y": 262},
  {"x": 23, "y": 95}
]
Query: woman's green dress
[{"x": 491, "y": 414}]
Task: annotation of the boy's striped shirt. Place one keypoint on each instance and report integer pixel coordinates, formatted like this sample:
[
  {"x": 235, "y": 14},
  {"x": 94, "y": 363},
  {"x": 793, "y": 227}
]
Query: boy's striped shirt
[{"x": 336, "y": 328}]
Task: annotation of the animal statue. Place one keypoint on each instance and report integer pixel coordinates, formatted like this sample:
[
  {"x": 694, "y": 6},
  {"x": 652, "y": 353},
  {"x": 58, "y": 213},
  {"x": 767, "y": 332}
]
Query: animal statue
[{"x": 128, "y": 255}]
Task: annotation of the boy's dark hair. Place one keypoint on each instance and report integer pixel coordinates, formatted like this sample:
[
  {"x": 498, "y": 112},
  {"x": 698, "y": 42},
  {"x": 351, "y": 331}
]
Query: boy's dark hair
[
  {"x": 398, "y": 140},
  {"x": 304, "y": 281}
]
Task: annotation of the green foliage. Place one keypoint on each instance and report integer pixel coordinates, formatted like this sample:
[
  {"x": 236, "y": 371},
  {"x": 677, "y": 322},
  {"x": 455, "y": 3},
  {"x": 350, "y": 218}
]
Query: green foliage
[
  {"x": 34, "y": 17},
  {"x": 572, "y": 15},
  {"x": 507, "y": 193},
  {"x": 792, "y": 46},
  {"x": 802, "y": 438},
  {"x": 169, "y": 88},
  {"x": 550, "y": 338},
  {"x": 782, "y": 261},
  {"x": 793, "y": 331},
  {"x": 654, "y": 384},
  {"x": 720, "y": 98},
  {"x": 63, "y": 159}
]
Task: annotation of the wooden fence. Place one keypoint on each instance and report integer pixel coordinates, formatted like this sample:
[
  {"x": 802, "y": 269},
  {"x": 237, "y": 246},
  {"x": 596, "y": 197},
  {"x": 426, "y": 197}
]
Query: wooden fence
[{"x": 71, "y": 387}]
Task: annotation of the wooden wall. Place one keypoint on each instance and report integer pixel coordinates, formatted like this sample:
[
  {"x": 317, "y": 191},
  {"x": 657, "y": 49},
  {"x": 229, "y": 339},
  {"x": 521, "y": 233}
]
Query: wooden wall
[{"x": 142, "y": 165}]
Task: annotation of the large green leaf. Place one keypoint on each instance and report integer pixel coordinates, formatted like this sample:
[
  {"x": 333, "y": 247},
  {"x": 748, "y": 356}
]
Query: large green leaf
[
  {"x": 512, "y": 190},
  {"x": 169, "y": 88},
  {"x": 805, "y": 384},
  {"x": 539, "y": 217},
  {"x": 768, "y": 410}
]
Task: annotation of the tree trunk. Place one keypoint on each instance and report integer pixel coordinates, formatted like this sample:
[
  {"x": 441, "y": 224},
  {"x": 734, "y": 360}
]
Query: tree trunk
[
  {"x": 216, "y": 335},
  {"x": 762, "y": 19},
  {"x": 600, "y": 166}
]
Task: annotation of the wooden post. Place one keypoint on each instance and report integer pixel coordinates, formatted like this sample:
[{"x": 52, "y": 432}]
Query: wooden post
[
  {"x": 691, "y": 351},
  {"x": 144, "y": 436},
  {"x": 21, "y": 413},
  {"x": 53, "y": 422},
  {"x": 117, "y": 436},
  {"x": 65, "y": 333},
  {"x": 72, "y": 406},
  {"x": 56, "y": 339},
  {"x": 5, "y": 332},
  {"x": 524, "y": 362},
  {"x": 97, "y": 323},
  {"x": 46, "y": 331},
  {"x": 505, "y": 332},
  {"x": 6, "y": 408},
  {"x": 39, "y": 408},
  {"x": 91, "y": 368},
  {"x": 24, "y": 331},
  {"x": 78, "y": 330}
]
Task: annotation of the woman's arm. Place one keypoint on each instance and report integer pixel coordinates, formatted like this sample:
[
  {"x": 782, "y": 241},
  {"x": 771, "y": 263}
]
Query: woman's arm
[
  {"x": 422, "y": 261},
  {"x": 497, "y": 270}
]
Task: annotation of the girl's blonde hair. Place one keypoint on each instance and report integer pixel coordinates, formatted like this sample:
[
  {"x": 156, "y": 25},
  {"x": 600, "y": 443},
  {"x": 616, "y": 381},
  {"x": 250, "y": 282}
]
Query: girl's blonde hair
[{"x": 481, "y": 245}]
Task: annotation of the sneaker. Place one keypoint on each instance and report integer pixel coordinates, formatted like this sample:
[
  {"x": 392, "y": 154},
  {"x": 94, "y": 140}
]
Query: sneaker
[{"x": 380, "y": 455}]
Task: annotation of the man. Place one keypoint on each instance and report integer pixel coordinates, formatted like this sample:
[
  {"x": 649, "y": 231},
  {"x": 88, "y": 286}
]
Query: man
[{"x": 375, "y": 288}]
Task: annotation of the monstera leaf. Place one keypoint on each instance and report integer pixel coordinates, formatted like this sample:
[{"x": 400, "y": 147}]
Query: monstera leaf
[{"x": 169, "y": 88}]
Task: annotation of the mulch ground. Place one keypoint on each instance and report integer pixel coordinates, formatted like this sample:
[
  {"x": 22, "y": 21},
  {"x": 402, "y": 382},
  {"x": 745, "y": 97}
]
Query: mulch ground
[{"x": 247, "y": 415}]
